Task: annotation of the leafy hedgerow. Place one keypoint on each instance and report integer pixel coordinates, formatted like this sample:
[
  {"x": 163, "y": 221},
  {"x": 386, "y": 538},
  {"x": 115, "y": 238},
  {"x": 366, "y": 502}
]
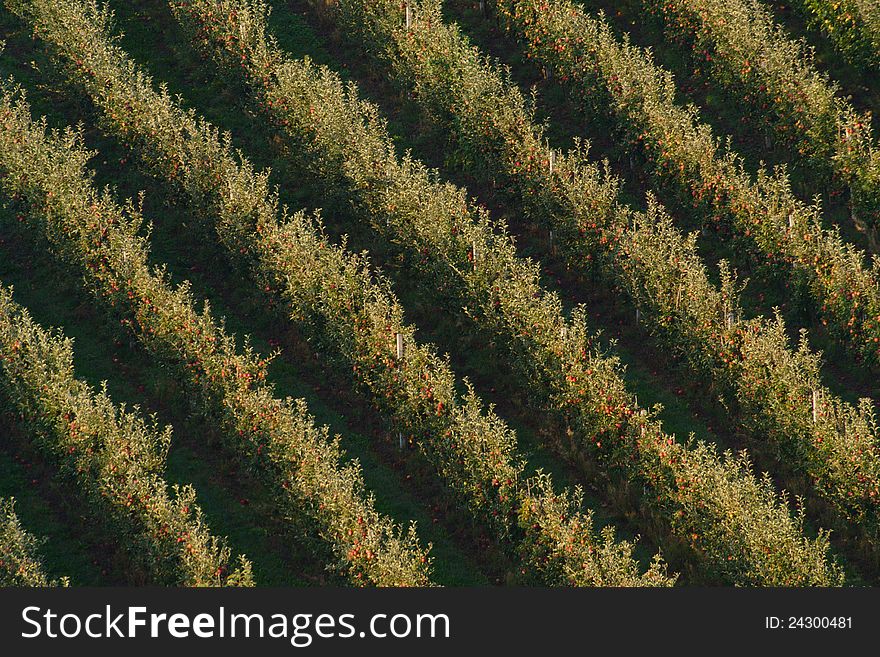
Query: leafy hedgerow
[
  {"x": 20, "y": 563},
  {"x": 738, "y": 45},
  {"x": 853, "y": 26},
  {"x": 112, "y": 456},
  {"x": 45, "y": 172},
  {"x": 615, "y": 78},
  {"x": 773, "y": 392},
  {"x": 744, "y": 531},
  {"x": 345, "y": 309}
]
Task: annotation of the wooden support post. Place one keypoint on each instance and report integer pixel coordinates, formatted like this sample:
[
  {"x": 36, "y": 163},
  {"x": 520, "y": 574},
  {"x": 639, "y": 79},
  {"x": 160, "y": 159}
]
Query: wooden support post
[
  {"x": 408, "y": 17},
  {"x": 399, "y": 338},
  {"x": 815, "y": 406}
]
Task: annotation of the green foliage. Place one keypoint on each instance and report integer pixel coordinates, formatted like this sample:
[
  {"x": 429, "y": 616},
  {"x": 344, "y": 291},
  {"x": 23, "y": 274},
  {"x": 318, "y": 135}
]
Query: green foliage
[
  {"x": 113, "y": 457},
  {"x": 45, "y": 171},
  {"x": 458, "y": 251},
  {"x": 740, "y": 48},
  {"x": 329, "y": 292},
  {"x": 617, "y": 79},
  {"x": 739, "y": 527},
  {"x": 358, "y": 319},
  {"x": 853, "y": 26},
  {"x": 492, "y": 129},
  {"x": 19, "y": 559}
]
